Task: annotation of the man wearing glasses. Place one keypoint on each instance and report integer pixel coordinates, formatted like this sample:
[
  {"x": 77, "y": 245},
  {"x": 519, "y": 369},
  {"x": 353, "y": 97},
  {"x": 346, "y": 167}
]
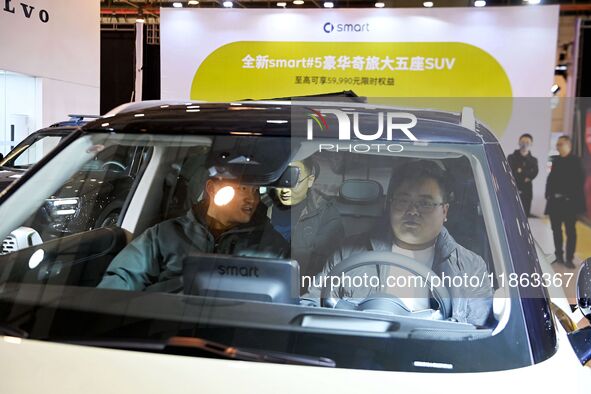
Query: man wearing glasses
[{"x": 418, "y": 203}]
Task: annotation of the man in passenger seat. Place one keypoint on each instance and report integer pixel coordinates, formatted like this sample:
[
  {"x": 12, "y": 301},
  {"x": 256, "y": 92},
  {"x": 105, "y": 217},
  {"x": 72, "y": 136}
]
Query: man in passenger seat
[
  {"x": 312, "y": 224},
  {"x": 418, "y": 203},
  {"x": 226, "y": 221}
]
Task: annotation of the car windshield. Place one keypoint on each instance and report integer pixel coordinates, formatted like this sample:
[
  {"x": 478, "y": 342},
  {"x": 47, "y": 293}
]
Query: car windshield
[{"x": 272, "y": 243}]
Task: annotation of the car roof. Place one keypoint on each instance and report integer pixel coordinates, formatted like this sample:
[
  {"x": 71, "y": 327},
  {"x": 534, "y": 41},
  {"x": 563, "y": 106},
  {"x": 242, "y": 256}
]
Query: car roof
[
  {"x": 280, "y": 118},
  {"x": 55, "y": 130},
  {"x": 75, "y": 120},
  {"x": 65, "y": 127}
]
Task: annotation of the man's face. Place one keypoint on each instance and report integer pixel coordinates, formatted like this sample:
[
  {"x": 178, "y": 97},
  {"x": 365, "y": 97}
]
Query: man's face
[
  {"x": 563, "y": 146},
  {"x": 525, "y": 144},
  {"x": 417, "y": 212},
  {"x": 240, "y": 208},
  {"x": 298, "y": 193}
]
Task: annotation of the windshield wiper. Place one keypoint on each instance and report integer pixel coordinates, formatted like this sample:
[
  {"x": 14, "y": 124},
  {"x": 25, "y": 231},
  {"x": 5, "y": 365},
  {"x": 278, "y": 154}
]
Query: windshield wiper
[
  {"x": 249, "y": 354},
  {"x": 10, "y": 330},
  {"x": 231, "y": 352}
]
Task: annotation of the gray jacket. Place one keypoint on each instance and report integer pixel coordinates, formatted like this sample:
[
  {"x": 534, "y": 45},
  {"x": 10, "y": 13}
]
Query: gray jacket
[
  {"x": 157, "y": 254},
  {"x": 316, "y": 233},
  {"x": 469, "y": 304}
]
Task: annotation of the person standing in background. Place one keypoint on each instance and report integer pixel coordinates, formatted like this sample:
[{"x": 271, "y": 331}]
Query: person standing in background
[
  {"x": 311, "y": 224},
  {"x": 525, "y": 168},
  {"x": 566, "y": 199}
]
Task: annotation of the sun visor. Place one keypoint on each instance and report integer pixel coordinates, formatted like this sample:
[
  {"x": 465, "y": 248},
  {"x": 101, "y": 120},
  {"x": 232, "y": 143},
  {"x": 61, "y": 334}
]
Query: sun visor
[{"x": 249, "y": 159}]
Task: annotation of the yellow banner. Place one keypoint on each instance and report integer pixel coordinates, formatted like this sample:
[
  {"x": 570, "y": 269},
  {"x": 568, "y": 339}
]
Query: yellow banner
[{"x": 262, "y": 69}]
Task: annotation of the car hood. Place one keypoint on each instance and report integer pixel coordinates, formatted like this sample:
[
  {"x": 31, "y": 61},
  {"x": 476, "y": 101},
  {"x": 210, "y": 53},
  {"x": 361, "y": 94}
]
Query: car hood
[
  {"x": 9, "y": 175},
  {"x": 30, "y": 366}
]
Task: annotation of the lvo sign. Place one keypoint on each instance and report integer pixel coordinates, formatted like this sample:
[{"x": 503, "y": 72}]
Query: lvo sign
[
  {"x": 386, "y": 123},
  {"x": 25, "y": 10}
]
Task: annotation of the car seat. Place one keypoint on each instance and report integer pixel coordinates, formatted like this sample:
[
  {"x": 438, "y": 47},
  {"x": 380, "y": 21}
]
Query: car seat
[
  {"x": 360, "y": 203},
  {"x": 183, "y": 184},
  {"x": 466, "y": 222}
]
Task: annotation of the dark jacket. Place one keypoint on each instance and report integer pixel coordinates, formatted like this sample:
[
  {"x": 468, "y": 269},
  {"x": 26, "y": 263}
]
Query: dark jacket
[
  {"x": 157, "y": 254},
  {"x": 469, "y": 304},
  {"x": 523, "y": 167},
  {"x": 316, "y": 235},
  {"x": 564, "y": 187}
]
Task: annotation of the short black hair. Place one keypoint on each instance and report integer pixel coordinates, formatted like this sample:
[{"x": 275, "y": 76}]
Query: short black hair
[
  {"x": 422, "y": 169},
  {"x": 565, "y": 137},
  {"x": 311, "y": 166},
  {"x": 526, "y": 135}
]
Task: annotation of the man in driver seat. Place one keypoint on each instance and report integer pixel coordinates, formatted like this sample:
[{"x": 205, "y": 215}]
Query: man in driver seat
[
  {"x": 226, "y": 221},
  {"x": 417, "y": 208}
]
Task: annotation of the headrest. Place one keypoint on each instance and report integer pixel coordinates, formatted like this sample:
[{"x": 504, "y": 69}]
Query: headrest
[{"x": 360, "y": 191}]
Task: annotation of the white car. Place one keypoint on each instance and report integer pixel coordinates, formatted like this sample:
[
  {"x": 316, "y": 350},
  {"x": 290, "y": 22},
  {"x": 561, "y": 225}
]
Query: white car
[{"x": 152, "y": 305}]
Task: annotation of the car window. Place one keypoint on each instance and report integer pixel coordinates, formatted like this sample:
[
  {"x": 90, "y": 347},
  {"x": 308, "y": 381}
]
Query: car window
[
  {"x": 93, "y": 197},
  {"x": 237, "y": 236},
  {"x": 34, "y": 152}
]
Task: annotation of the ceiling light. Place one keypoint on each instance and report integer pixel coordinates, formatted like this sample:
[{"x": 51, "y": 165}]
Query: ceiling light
[
  {"x": 380, "y": 4},
  {"x": 328, "y": 4},
  {"x": 193, "y": 2},
  {"x": 140, "y": 17},
  {"x": 532, "y": 2},
  {"x": 282, "y": 4},
  {"x": 428, "y": 4},
  {"x": 298, "y": 2},
  {"x": 479, "y": 3},
  {"x": 228, "y": 4},
  {"x": 177, "y": 4}
]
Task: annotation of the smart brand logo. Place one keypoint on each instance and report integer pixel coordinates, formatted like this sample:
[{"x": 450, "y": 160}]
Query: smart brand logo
[
  {"x": 345, "y": 27},
  {"x": 237, "y": 270},
  {"x": 27, "y": 11},
  {"x": 388, "y": 121}
]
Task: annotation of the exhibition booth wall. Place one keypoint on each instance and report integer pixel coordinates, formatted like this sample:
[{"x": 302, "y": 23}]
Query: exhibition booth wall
[
  {"x": 500, "y": 61},
  {"x": 49, "y": 57}
]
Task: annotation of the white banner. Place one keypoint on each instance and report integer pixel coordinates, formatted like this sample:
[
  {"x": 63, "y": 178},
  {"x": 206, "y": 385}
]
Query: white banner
[
  {"x": 58, "y": 39},
  {"x": 520, "y": 39},
  {"x": 58, "y": 43}
]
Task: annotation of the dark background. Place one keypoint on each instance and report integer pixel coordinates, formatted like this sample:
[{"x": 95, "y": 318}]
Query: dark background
[
  {"x": 118, "y": 69},
  {"x": 582, "y": 135}
]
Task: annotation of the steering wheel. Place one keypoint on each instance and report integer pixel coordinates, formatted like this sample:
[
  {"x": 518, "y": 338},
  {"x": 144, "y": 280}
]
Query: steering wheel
[
  {"x": 380, "y": 301},
  {"x": 113, "y": 163}
]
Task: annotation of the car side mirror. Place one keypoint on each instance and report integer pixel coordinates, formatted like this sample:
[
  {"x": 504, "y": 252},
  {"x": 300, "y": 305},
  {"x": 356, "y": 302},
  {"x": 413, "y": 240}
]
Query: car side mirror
[
  {"x": 581, "y": 339},
  {"x": 1, "y": 157}
]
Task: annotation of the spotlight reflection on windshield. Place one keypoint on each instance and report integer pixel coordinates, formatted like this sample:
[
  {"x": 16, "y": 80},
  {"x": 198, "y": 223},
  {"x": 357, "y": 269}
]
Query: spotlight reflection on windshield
[{"x": 224, "y": 196}]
